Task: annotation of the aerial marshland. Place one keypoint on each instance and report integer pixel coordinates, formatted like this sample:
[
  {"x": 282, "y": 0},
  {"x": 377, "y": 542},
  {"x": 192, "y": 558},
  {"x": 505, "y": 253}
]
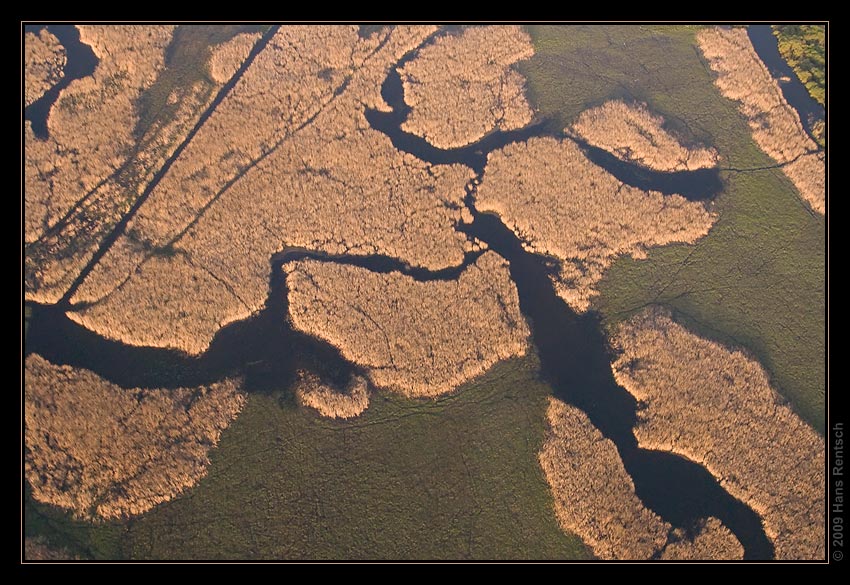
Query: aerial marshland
[
  {"x": 462, "y": 86},
  {"x": 562, "y": 205},
  {"x": 776, "y": 127},
  {"x": 342, "y": 271},
  {"x": 595, "y": 497},
  {"x": 704, "y": 401},
  {"x": 420, "y": 339},
  {"x": 323, "y": 181}
]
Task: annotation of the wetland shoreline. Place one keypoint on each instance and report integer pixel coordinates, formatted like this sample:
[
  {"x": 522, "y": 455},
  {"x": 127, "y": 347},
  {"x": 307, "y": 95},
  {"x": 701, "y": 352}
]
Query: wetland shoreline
[{"x": 574, "y": 353}]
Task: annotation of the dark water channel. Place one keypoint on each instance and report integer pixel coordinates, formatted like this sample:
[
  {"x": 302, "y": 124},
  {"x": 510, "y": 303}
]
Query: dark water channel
[
  {"x": 693, "y": 185},
  {"x": 698, "y": 185},
  {"x": 80, "y": 62},
  {"x": 573, "y": 349},
  {"x": 796, "y": 94},
  {"x": 263, "y": 348},
  {"x": 576, "y": 361}
]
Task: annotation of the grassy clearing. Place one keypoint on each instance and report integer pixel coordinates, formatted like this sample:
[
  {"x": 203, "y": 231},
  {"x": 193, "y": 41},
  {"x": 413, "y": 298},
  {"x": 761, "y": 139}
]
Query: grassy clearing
[
  {"x": 452, "y": 478},
  {"x": 757, "y": 279}
]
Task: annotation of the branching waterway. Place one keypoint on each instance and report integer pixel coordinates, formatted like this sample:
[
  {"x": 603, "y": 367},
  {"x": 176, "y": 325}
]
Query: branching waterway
[
  {"x": 80, "y": 62},
  {"x": 573, "y": 350}
]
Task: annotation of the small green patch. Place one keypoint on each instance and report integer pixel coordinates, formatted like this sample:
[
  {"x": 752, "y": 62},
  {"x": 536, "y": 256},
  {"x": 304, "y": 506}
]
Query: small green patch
[{"x": 99, "y": 541}]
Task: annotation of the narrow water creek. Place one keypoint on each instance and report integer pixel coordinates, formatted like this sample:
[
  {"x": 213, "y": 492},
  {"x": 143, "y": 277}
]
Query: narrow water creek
[
  {"x": 767, "y": 47},
  {"x": 262, "y": 348},
  {"x": 575, "y": 360},
  {"x": 80, "y": 62},
  {"x": 573, "y": 350}
]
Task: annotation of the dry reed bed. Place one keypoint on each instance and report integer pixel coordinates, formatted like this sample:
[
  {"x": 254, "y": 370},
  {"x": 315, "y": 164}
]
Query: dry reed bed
[
  {"x": 633, "y": 134},
  {"x": 328, "y": 182},
  {"x": 102, "y": 451},
  {"x": 563, "y": 205},
  {"x": 91, "y": 166},
  {"x": 289, "y": 83},
  {"x": 713, "y": 542},
  {"x": 595, "y": 498},
  {"x": 44, "y": 64},
  {"x": 462, "y": 87},
  {"x": 594, "y": 495},
  {"x": 91, "y": 124},
  {"x": 329, "y": 401},
  {"x": 228, "y": 57},
  {"x": 57, "y": 258},
  {"x": 716, "y": 407},
  {"x": 170, "y": 301},
  {"x": 775, "y": 125},
  {"x": 420, "y": 339}
]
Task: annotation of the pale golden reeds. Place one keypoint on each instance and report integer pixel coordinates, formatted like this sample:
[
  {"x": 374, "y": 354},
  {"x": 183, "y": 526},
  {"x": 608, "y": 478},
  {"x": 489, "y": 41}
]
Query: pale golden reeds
[
  {"x": 715, "y": 406},
  {"x": 565, "y": 206},
  {"x": 103, "y": 451},
  {"x": 462, "y": 87},
  {"x": 420, "y": 339}
]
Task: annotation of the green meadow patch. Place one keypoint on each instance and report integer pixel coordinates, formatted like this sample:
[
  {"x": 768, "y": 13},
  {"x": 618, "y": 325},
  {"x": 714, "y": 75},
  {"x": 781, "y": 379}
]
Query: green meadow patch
[{"x": 757, "y": 280}]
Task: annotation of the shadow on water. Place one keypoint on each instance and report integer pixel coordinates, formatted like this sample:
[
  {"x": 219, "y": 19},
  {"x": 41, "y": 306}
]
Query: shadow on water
[
  {"x": 263, "y": 349},
  {"x": 698, "y": 185},
  {"x": 80, "y": 62}
]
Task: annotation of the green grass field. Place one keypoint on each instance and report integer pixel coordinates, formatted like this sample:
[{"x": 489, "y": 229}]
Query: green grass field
[
  {"x": 757, "y": 280},
  {"x": 100, "y": 541},
  {"x": 452, "y": 478}
]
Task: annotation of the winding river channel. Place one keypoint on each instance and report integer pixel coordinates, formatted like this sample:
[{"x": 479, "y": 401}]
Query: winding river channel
[
  {"x": 575, "y": 357},
  {"x": 573, "y": 350},
  {"x": 795, "y": 93},
  {"x": 80, "y": 62}
]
